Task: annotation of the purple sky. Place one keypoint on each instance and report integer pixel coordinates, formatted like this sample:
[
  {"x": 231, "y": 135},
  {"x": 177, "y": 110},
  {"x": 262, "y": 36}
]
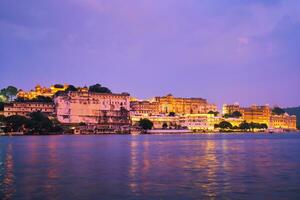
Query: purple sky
[{"x": 227, "y": 51}]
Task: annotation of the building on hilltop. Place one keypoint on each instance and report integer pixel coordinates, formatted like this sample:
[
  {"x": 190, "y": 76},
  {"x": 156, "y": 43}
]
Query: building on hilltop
[
  {"x": 93, "y": 108},
  {"x": 42, "y": 91}
]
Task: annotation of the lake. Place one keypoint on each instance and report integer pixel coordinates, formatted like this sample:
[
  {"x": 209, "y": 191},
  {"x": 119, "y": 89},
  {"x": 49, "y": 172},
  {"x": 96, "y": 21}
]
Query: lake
[{"x": 216, "y": 166}]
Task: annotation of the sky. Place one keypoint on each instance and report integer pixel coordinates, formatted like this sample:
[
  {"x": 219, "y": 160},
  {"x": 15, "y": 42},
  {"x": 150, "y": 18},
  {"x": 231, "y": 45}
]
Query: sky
[{"x": 226, "y": 51}]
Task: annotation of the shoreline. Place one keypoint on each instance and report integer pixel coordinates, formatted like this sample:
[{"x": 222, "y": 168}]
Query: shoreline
[{"x": 161, "y": 133}]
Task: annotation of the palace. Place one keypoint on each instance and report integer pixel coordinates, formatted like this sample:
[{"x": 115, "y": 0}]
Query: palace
[
  {"x": 284, "y": 121},
  {"x": 25, "y": 108},
  {"x": 169, "y": 103},
  {"x": 257, "y": 114},
  {"x": 42, "y": 91},
  {"x": 144, "y": 108},
  {"x": 93, "y": 108}
]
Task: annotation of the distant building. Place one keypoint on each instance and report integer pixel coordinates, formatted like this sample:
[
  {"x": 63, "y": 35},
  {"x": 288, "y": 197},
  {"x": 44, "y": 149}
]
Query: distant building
[
  {"x": 42, "y": 91},
  {"x": 144, "y": 108},
  {"x": 257, "y": 114},
  {"x": 25, "y": 108},
  {"x": 158, "y": 121},
  {"x": 195, "y": 121},
  {"x": 93, "y": 108},
  {"x": 181, "y": 106},
  {"x": 283, "y": 122},
  {"x": 230, "y": 108}
]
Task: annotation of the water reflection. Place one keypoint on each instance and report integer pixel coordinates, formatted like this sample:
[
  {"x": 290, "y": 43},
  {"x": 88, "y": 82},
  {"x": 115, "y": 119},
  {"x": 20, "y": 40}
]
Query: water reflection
[
  {"x": 8, "y": 182},
  {"x": 149, "y": 167}
]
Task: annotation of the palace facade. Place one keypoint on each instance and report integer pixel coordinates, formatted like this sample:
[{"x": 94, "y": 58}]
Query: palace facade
[
  {"x": 93, "y": 108},
  {"x": 144, "y": 108},
  {"x": 284, "y": 121},
  {"x": 25, "y": 108},
  {"x": 42, "y": 91},
  {"x": 169, "y": 103}
]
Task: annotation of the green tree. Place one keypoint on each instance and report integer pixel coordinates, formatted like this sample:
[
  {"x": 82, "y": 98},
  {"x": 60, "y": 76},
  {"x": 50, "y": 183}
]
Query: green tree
[
  {"x": 16, "y": 123},
  {"x": 40, "y": 123},
  {"x": 236, "y": 114},
  {"x": 278, "y": 111},
  {"x": 71, "y": 88},
  {"x": 225, "y": 125},
  {"x": 99, "y": 89},
  {"x": 263, "y": 126},
  {"x": 37, "y": 99},
  {"x": 1, "y": 106},
  {"x": 213, "y": 113},
  {"x": 8, "y": 93},
  {"x": 172, "y": 114},
  {"x": 244, "y": 126},
  {"x": 227, "y": 116},
  {"x": 2, "y": 118},
  {"x": 59, "y": 86},
  {"x": 145, "y": 124},
  {"x": 165, "y": 125}
]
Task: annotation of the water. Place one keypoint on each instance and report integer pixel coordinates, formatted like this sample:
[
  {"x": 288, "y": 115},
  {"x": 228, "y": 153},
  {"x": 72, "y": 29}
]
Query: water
[{"x": 150, "y": 167}]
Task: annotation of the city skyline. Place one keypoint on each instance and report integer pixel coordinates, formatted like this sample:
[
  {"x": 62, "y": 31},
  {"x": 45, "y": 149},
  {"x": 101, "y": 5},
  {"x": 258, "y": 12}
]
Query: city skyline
[{"x": 225, "y": 52}]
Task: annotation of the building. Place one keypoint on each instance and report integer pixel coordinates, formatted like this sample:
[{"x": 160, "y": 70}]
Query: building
[
  {"x": 93, "y": 108},
  {"x": 195, "y": 121},
  {"x": 159, "y": 121},
  {"x": 144, "y": 108},
  {"x": 284, "y": 121},
  {"x": 181, "y": 106},
  {"x": 42, "y": 91},
  {"x": 25, "y": 108},
  {"x": 257, "y": 114},
  {"x": 254, "y": 113},
  {"x": 230, "y": 108}
]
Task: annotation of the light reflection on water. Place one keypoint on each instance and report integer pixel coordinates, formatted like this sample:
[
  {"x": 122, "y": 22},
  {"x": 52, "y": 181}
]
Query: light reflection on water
[{"x": 150, "y": 167}]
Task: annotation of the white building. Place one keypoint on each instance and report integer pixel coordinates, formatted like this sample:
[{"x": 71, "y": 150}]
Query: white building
[{"x": 93, "y": 108}]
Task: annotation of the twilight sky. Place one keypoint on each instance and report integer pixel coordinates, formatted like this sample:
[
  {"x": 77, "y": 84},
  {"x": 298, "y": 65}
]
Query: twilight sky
[{"x": 227, "y": 51}]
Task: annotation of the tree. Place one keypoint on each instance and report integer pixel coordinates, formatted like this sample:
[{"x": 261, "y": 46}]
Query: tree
[
  {"x": 145, "y": 124},
  {"x": 227, "y": 116},
  {"x": 1, "y": 106},
  {"x": 2, "y": 118},
  {"x": 236, "y": 114},
  {"x": 71, "y": 88},
  {"x": 278, "y": 111},
  {"x": 225, "y": 125},
  {"x": 37, "y": 99},
  {"x": 165, "y": 125},
  {"x": 244, "y": 126},
  {"x": 58, "y": 86},
  {"x": 213, "y": 113},
  {"x": 8, "y": 93},
  {"x": 172, "y": 114},
  {"x": 16, "y": 123},
  {"x": 263, "y": 126},
  {"x": 40, "y": 123},
  {"x": 3, "y": 97},
  {"x": 97, "y": 88}
]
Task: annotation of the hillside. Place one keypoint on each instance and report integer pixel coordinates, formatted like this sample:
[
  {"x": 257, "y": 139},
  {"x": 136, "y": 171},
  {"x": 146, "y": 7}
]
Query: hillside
[{"x": 294, "y": 111}]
